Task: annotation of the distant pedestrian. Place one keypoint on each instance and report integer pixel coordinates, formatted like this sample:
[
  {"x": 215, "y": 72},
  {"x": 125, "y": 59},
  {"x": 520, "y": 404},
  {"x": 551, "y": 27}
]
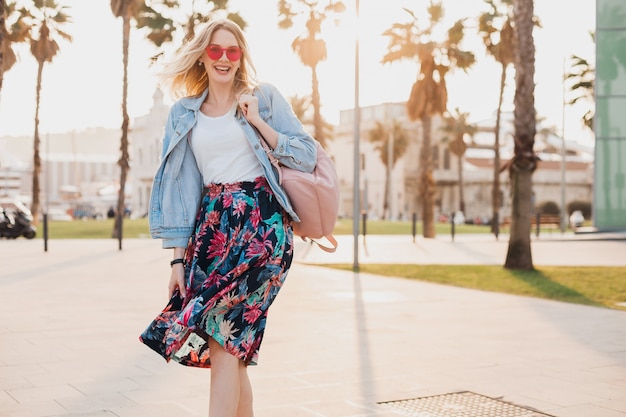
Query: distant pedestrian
[
  {"x": 217, "y": 203},
  {"x": 110, "y": 213}
]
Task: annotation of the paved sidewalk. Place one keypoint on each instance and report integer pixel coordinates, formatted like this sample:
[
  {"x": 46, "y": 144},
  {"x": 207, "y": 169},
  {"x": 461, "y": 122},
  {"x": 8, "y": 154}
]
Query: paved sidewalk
[
  {"x": 337, "y": 344},
  {"x": 591, "y": 249}
]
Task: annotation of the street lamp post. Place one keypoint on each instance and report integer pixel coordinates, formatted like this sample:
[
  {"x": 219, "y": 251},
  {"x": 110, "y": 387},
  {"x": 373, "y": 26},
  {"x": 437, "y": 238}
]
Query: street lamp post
[
  {"x": 390, "y": 141},
  {"x": 563, "y": 161},
  {"x": 47, "y": 206},
  {"x": 357, "y": 129}
]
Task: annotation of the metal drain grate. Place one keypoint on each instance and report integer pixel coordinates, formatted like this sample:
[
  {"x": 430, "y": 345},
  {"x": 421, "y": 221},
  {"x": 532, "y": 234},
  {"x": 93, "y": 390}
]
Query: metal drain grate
[{"x": 460, "y": 404}]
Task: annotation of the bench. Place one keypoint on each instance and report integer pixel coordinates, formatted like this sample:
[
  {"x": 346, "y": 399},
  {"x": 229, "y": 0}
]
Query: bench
[{"x": 539, "y": 221}]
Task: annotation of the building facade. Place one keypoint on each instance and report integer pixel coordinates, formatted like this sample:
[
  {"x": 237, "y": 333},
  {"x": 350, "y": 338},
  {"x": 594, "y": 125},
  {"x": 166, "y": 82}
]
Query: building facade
[
  {"x": 79, "y": 171},
  {"x": 146, "y": 137},
  {"x": 550, "y": 180}
]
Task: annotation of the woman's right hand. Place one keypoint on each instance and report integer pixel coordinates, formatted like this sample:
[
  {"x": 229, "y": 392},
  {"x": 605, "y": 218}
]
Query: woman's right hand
[{"x": 177, "y": 281}]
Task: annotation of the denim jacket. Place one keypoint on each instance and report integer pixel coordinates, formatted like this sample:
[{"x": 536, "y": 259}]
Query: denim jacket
[{"x": 177, "y": 185}]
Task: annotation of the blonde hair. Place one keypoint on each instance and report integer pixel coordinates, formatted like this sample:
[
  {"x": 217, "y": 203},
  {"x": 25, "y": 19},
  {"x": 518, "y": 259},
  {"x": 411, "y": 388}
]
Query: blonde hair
[{"x": 182, "y": 75}]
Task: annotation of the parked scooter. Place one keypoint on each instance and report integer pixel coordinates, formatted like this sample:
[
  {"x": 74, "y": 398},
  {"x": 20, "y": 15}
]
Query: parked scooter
[{"x": 17, "y": 222}]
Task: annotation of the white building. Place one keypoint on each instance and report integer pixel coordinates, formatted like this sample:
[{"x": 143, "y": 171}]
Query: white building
[
  {"x": 79, "y": 170},
  {"x": 478, "y": 169},
  {"x": 373, "y": 172},
  {"x": 145, "y": 138}
]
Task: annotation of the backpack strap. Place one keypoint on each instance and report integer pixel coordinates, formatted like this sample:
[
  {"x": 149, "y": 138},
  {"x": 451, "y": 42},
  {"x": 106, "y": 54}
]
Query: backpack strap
[{"x": 329, "y": 249}]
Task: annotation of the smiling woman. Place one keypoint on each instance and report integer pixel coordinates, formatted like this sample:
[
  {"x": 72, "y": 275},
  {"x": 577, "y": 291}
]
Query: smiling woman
[{"x": 231, "y": 233}]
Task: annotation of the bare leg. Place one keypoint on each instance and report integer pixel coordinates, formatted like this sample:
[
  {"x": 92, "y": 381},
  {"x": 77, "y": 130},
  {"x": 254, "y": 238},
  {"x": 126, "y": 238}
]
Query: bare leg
[
  {"x": 225, "y": 382},
  {"x": 245, "y": 393}
]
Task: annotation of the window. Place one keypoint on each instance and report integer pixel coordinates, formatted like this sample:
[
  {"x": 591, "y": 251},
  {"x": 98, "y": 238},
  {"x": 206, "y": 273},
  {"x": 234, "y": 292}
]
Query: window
[
  {"x": 446, "y": 159},
  {"x": 435, "y": 157}
]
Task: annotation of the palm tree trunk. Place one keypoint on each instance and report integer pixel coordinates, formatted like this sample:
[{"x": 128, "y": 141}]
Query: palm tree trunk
[
  {"x": 35, "y": 204},
  {"x": 3, "y": 35},
  {"x": 461, "y": 186},
  {"x": 427, "y": 184},
  {"x": 318, "y": 124},
  {"x": 386, "y": 214},
  {"x": 495, "y": 192},
  {"x": 524, "y": 161},
  {"x": 390, "y": 164},
  {"x": 519, "y": 255},
  {"x": 124, "y": 157},
  {"x": 604, "y": 212}
]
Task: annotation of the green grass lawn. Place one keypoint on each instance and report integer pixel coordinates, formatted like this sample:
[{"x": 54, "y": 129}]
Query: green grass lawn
[
  {"x": 93, "y": 229},
  {"x": 133, "y": 228},
  {"x": 383, "y": 227},
  {"x": 599, "y": 286}
]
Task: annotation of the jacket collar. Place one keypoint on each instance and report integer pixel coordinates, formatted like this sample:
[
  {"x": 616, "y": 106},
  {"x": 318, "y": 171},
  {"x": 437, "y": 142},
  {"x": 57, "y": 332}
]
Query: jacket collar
[{"x": 194, "y": 103}]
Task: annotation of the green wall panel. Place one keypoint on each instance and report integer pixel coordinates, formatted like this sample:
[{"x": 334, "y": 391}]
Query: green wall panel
[
  {"x": 611, "y": 62},
  {"x": 611, "y": 117},
  {"x": 609, "y": 205},
  {"x": 610, "y": 202},
  {"x": 610, "y": 14}
]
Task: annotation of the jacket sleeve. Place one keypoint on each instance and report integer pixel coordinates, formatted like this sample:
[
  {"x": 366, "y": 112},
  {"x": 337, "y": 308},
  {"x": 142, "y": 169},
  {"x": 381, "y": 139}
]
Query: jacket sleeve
[
  {"x": 169, "y": 243},
  {"x": 296, "y": 148}
]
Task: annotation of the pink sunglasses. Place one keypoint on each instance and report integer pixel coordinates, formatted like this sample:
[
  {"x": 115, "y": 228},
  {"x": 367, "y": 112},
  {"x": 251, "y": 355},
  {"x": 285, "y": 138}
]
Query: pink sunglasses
[{"x": 215, "y": 52}]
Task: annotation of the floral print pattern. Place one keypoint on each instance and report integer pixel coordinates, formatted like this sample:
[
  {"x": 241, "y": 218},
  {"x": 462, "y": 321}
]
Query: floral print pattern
[{"x": 235, "y": 265}]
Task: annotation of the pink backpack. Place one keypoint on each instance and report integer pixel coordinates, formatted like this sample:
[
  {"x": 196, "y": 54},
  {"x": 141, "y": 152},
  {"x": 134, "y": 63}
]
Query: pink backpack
[{"x": 314, "y": 197}]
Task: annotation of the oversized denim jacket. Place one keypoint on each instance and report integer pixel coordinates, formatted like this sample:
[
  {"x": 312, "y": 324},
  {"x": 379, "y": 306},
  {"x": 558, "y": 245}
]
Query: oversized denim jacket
[{"x": 177, "y": 185}]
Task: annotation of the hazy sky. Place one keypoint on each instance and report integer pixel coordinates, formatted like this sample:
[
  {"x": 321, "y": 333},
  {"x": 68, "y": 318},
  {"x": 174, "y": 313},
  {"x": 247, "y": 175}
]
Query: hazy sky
[{"x": 82, "y": 87}]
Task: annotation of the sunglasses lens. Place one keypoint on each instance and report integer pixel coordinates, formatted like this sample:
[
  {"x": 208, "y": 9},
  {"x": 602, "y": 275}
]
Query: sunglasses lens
[
  {"x": 215, "y": 52},
  {"x": 233, "y": 53}
]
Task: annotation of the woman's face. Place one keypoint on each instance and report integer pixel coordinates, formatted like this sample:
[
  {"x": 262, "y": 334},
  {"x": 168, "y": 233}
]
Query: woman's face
[{"x": 222, "y": 57}]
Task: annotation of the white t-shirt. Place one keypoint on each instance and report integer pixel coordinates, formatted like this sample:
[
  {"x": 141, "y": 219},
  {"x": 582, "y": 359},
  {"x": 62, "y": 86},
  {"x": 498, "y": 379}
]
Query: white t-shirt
[{"x": 222, "y": 151}]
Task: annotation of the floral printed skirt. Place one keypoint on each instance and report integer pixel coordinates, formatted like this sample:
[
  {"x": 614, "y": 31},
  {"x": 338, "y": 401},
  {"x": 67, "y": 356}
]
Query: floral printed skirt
[{"x": 235, "y": 264}]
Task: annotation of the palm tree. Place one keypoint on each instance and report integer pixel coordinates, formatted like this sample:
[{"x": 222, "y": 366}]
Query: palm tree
[
  {"x": 127, "y": 10},
  {"x": 48, "y": 18},
  {"x": 391, "y": 142},
  {"x": 457, "y": 126},
  {"x": 524, "y": 161},
  {"x": 188, "y": 15},
  {"x": 429, "y": 96},
  {"x": 311, "y": 49},
  {"x": 301, "y": 107},
  {"x": 18, "y": 32},
  {"x": 203, "y": 11},
  {"x": 160, "y": 31},
  {"x": 496, "y": 29},
  {"x": 582, "y": 75}
]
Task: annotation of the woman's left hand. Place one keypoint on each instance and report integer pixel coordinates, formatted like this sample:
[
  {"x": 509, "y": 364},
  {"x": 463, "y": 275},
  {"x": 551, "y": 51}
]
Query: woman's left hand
[{"x": 249, "y": 105}]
